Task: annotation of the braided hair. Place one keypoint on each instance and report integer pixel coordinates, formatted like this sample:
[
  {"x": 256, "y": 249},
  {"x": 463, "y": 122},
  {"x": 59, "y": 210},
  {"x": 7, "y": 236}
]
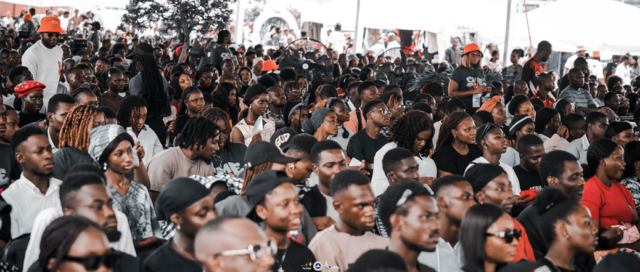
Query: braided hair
[
  {"x": 76, "y": 126},
  {"x": 450, "y": 123},
  {"x": 152, "y": 83},
  {"x": 130, "y": 105},
  {"x": 406, "y": 129}
]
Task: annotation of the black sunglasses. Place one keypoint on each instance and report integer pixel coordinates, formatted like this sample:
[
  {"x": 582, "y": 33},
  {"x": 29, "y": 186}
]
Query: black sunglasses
[
  {"x": 92, "y": 263},
  {"x": 507, "y": 235}
]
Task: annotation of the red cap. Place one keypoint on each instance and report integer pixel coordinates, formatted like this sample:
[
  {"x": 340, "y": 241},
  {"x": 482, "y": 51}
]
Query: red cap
[
  {"x": 471, "y": 48},
  {"x": 28, "y": 87}
]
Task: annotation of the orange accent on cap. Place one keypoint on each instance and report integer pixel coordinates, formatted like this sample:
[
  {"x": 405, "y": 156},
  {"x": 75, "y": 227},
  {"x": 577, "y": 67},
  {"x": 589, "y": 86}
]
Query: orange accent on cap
[
  {"x": 471, "y": 48},
  {"x": 50, "y": 24},
  {"x": 269, "y": 65}
]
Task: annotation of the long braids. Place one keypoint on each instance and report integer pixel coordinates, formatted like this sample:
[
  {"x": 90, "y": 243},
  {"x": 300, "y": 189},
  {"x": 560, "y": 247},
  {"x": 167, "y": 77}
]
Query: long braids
[
  {"x": 152, "y": 84},
  {"x": 75, "y": 129},
  {"x": 451, "y": 122},
  {"x": 254, "y": 171}
]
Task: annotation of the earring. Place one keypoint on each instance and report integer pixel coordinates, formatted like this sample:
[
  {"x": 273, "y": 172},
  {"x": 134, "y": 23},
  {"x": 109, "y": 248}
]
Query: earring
[
  {"x": 292, "y": 167},
  {"x": 104, "y": 167},
  {"x": 178, "y": 227}
]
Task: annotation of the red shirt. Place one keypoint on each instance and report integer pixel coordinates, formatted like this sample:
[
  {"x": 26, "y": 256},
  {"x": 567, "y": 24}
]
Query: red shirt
[
  {"x": 547, "y": 102},
  {"x": 612, "y": 206},
  {"x": 525, "y": 251}
]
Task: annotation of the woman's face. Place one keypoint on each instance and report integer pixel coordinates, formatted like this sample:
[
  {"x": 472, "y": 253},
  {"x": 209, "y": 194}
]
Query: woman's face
[
  {"x": 259, "y": 106},
  {"x": 257, "y": 69},
  {"x": 195, "y": 102},
  {"x": 98, "y": 120},
  {"x": 614, "y": 164},
  {"x": 330, "y": 124},
  {"x": 526, "y": 129},
  {"x": 205, "y": 79},
  {"x": 295, "y": 95},
  {"x": 495, "y": 141},
  {"x": 233, "y": 98},
  {"x": 341, "y": 112},
  {"x": 224, "y": 132},
  {"x": 304, "y": 86},
  {"x": 90, "y": 242},
  {"x": 623, "y": 137},
  {"x": 554, "y": 124},
  {"x": 116, "y": 82},
  {"x": 196, "y": 215},
  {"x": 527, "y": 108},
  {"x": 498, "y": 192},
  {"x": 185, "y": 81},
  {"x": 421, "y": 141},
  {"x": 582, "y": 233},
  {"x": 33, "y": 102},
  {"x": 499, "y": 116},
  {"x": 397, "y": 111},
  {"x": 245, "y": 75},
  {"x": 120, "y": 159},
  {"x": 496, "y": 248},
  {"x": 300, "y": 115},
  {"x": 137, "y": 119},
  {"x": 465, "y": 131},
  {"x": 475, "y": 57}
]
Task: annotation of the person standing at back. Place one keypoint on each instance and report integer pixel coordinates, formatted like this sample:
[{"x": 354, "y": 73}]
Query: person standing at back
[
  {"x": 532, "y": 69},
  {"x": 467, "y": 81},
  {"x": 44, "y": 58}
]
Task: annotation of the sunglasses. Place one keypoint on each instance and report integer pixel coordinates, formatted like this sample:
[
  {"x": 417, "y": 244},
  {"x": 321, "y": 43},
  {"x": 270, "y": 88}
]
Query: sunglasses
[
  {"x": 92, "y": 263},
  {"x": 507, "y": 235},
  {"x": 255, "y": 252}
]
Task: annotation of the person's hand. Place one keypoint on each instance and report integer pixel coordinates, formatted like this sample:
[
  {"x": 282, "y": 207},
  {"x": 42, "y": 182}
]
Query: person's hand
[
  {"x": 563, "y": 131},
  {"x": 427, "y": 180},
  {"x": 323, "y": 222},
  {"x": 520, "y": 201},
  {"x": 171, "y": 126},
  {"x": 139, "y": 150}
]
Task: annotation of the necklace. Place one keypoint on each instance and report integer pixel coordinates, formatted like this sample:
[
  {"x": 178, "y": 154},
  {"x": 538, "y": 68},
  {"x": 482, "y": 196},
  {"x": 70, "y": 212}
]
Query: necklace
[{"x": 281, "y": 262}]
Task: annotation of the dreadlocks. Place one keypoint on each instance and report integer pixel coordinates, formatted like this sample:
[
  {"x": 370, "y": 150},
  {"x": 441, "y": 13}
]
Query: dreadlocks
[
  {"x": 130, "y": 105},
  {"x": 197, "y": 132},
  {"x": 215, "y": 114},
  {"x": 75, "y": 130},
  {"x": 152, "y": 84}
]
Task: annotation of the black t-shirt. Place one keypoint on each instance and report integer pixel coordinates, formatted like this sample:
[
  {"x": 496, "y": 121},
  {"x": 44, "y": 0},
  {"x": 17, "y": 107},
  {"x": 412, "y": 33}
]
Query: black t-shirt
[
  {"x": 166, "y": 259},
  {"x": 9, "y": 167},
  {"x": 468, "y": 79},
  {"x": 297, "y": 255},
  {"x": 449, "y": 160},
  {"x": 363, "y": 147},
  {"x": 313, "y": 201},
  {"x": 528, "y": 179},
  {"x": 220, "y": 54},
  {"x": 26, "y": 119},
  {"x": 181, "y": 121},
  {"x": 230, "y": 161}
]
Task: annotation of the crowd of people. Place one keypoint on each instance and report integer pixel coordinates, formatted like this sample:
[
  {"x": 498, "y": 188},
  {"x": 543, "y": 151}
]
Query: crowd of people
[{"x": 135, "y": 157}]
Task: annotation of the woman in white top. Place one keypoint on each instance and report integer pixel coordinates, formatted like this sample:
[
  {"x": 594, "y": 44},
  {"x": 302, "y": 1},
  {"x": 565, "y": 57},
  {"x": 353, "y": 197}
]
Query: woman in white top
[
  {"x": 257, "y": 99},
  {"x": 494, "y": 63},
  {"x": 412, "y": 131}
]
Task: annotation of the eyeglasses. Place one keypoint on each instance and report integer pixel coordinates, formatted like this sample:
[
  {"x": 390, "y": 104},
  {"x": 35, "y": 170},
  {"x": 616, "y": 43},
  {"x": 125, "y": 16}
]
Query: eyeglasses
[
  {"x": 255, "y": 252},
  {"x": 383, "y": 111},
  {"x": 92, "y": 263},
  {"x": 507, "y": 235}
]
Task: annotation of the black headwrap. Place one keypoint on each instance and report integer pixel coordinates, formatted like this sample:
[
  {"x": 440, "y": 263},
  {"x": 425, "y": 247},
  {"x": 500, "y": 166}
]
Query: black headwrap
[
  {"x": 479, "y": 175},
  {"x": 177, "y": 195},
  {"x": 615, "y": 128}
]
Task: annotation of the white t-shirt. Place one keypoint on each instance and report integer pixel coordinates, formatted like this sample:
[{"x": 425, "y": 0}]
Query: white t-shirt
[
  {"x": 623, "y": 72},
  {"x": 331, "y": 211},
  {"x": 45, "y": 64},
  {"x": 436, "y": 131},
  {"x": 569, "y": 64},
  {"x": 595, "y": 68},
  {"x": 379, "y": 181},
  {"x": 125, "y": 244},
  {"x": 338, "y": 42}
]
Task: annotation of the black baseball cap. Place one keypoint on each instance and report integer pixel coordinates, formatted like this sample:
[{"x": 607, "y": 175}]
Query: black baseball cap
[
  {"x": 260, "y": 152},
  {"x": 282, "y": 138},
  {"x": 260, "y": 186}
]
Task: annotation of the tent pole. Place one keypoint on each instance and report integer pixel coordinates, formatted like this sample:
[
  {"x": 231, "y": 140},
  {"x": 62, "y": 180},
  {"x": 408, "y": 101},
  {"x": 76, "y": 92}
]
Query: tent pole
[
  {"x": 506, "y": 35},
  {"x": 356, "y": 40},
  {"x": 239, "y": 24}
]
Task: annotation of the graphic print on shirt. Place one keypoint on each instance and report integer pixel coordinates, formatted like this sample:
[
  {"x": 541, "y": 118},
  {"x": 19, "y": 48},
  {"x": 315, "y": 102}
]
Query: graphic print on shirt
[
  {"x": 230, "y": 168},
  {"x": 472, "y": 81}
]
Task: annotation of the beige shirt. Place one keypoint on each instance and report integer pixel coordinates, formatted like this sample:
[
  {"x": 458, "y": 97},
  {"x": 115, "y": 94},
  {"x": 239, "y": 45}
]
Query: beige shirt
[
  {"x": 341, "y": 249},
  {"x": 172, "y": 163}
]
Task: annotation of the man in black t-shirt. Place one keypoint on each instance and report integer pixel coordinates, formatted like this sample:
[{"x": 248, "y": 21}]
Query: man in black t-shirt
[
  {"x": 531, "y": 150},
  {"x": 365, "y": 143},
  {"x": 533, "y": 68}
]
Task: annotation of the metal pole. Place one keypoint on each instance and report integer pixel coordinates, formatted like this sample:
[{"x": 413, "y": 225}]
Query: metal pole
[
  {"x": 239, "y": 24},
  {"x": 356, "y": 40},
  {"x": 506, "y": 35}
]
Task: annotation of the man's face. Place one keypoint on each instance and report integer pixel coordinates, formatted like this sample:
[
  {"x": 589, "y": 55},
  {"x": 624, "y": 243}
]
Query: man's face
[
  {"x": 546, "y": 54},
  {"x": 584, "y": 68},
  {"x": 35, "y": 156},
  {"x": 455, "y": 43},
  {"x": 420, "y": 228},
  {"x": 455, "y": 200},
  {"x": 330, "y": 162},
  {"x": 210, "y": 149},
  {"x": 101, "y": 67},
  {"x": 49, "y": 39},
  {"x": 613, "y": 102},
  {"x": 94, "y": 203},
  {"x": 520, "y": 88},
  {"x": 355, "y": 206},
  {"x": 276, "y": 97},
  {"x": 369, "y": 94},
  {"x": 5, "y": 58},
  {"x": 571, "y": 182},
  {"x": 377, "y": 116},
  {"x": 88, "y": 98},
  {"x": 12, "y": 125},
  {"x": 576, "y": 79},
  {"x": 531, "y": 156},
  {"x": 406, "y": 171},
  {"x": 599, "y": 128},
  {"x": 3, "y": 119},
  {"x": 76, "y": 79}
]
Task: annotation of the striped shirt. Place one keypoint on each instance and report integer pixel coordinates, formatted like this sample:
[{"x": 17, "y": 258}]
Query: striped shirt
[{"x": 581, "y": 97}]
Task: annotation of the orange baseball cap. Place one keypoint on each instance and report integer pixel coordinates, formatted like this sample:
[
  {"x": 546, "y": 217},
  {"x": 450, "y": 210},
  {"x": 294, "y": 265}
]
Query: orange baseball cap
[
  {"x": 50, "y": 24},
  {"x": 472, "y": 47},
  {"x": 269, "y": 65}
]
